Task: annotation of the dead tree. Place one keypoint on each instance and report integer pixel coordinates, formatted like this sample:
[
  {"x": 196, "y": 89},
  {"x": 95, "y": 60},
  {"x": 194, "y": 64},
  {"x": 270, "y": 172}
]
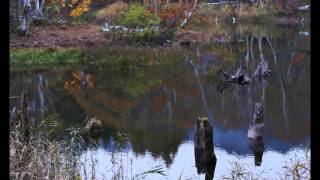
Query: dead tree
[
  {"x": 282, "y": 84},
  {"x": 262, "y": 69},
  {"x": 26, "y": 4},
  {"x": 203, "y": 148},
  {"x": 26, "y": 17}
]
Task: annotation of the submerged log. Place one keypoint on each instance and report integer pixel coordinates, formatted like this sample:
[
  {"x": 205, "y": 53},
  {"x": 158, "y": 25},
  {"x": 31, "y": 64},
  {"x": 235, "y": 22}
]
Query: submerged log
[
  {"x": 255, "y": 134},
  {"x": 203, "y": 148},
  {"x": 239, "y": 77}
]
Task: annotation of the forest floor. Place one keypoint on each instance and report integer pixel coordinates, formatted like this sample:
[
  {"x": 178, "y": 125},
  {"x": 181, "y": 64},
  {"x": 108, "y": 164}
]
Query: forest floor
[{"x": 53, "y": 36}]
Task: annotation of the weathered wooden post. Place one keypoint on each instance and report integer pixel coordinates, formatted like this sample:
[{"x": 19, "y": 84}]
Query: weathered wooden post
[
  {"x": 203, "y": 148},
  {"x": 23, "y": 116},
  {"x": 255, "y": 134}
]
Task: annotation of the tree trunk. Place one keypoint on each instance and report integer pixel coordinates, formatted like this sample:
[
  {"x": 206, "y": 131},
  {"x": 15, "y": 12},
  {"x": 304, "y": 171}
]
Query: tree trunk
[
  {"x": 262, "y": 69},
  {"x": 39, "y": 7},
  {"x": 18, "y": 11},
  {"x": 26, "y": 17},
  {"x": 195, "y": 4},
  {"x": 248, "y": 52}
]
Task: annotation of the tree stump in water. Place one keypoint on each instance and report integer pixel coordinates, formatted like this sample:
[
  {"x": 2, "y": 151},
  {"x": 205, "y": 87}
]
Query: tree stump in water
[
  {"x": 94, "y": 127},
  {"x": 239, "y": 77},
  {"x": 255, "y": 134},
  {"x": 203, "y": 148},
  {"x": 262, "y": 70}
]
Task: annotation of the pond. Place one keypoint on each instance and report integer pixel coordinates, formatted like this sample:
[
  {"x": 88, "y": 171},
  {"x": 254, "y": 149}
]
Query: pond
[{"x": 149, "y": 109}]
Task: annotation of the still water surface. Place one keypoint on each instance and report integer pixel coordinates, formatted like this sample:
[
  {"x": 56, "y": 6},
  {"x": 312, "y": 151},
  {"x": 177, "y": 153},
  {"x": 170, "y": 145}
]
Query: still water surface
[{"x": 149, "y": 112}]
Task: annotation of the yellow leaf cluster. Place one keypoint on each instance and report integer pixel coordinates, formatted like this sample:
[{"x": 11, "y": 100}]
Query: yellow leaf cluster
[
  {"x": 83, "y": 7},
  {"x": 73, "y": 2}
]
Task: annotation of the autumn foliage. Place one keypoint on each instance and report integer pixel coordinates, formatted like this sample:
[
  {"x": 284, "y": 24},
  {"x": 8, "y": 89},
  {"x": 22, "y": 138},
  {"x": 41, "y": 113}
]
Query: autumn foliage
[
  {"x": 82, "y": 7},
  {"x": 173, "y": 11},
  {"x": 112, "y": 11}
]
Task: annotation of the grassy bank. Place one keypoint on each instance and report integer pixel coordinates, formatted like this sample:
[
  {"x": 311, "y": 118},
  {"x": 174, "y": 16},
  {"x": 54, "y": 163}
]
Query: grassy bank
[
  {"x": 113, "y": 57},
  {"x": 43, "y": 156},
  {"x": 45, "y": 55}
]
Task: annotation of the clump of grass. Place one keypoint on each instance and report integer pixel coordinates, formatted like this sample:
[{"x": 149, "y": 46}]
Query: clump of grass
[
  {"x": 298, "y": 168},
  {"x": 79, "y": 20},
  {"x": 31, "y": 56},
  {"x": 43, "y": 157},
  {"x": 238, "y": 171},
  {"x": 154, "y": 170}
]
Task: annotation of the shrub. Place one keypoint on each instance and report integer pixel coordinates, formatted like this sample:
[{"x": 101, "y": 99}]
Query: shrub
[
  {"x": 148, "y": 35},
  {"x": 137, "y": 16},
  {"x": 112, "y": 11}
]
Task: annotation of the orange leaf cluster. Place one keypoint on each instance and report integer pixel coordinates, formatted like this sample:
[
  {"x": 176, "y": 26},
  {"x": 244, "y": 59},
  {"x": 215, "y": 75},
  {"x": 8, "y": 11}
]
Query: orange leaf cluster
[
  {"x": 83, "y": 7},
  {"x": 174, "y": 11}
]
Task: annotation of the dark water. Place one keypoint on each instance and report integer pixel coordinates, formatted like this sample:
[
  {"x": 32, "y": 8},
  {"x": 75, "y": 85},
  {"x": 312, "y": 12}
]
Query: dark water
[{"x": 156, "y": 105}]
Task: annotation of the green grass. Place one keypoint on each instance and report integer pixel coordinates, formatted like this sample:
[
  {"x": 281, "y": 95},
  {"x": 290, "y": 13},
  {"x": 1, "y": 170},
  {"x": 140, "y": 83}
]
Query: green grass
[
  {"x": 41, "y": 55},
  {"x": 115, "y": 58}
]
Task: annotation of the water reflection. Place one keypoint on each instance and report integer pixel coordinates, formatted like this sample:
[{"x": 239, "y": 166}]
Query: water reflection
[
  {"x": 84, "y": 81},
  {"x": 156, "y": 105}
]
